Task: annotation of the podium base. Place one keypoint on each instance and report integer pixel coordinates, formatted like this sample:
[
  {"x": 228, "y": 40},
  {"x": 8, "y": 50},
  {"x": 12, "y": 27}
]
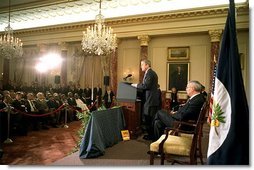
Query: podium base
[{"x": 132, "y": 115}]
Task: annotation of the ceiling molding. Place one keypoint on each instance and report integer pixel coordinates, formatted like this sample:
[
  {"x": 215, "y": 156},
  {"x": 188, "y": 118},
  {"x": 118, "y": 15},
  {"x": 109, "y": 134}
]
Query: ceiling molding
[
  {"x": 139, "y": 19},
  {"x": 195, "y": 21},
  {"x": 28, "y": 14}
]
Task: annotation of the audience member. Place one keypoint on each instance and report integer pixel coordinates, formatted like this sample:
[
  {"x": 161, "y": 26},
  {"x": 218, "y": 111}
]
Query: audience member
[
  {"x": 203, "y": 91},
  {"x": 108, "y": 97},
  {"x": 88, "y": 93},
  {"x": 53, "y": 106},
  {"x": 61, "y": 113},
  {"x": 79, "y": 90},
  {"x": 31, "y": 109},
  {"x": 19, "y": 122},
  {"x": 83, "y": 97},
  {"x": 41, "y": 105},
  {"x": 97, "y": 91},
  {"x": 4, "y": 107},
  {"x": 3, "y": 123},
  {"x": 174, "y": 99},
  {"x": 71, "y": 102},
  {"x": 80, "y": 104}
]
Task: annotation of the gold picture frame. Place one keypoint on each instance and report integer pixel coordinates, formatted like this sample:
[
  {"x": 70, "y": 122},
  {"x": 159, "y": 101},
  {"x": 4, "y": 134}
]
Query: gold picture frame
[{"x": 178, "y": 53}]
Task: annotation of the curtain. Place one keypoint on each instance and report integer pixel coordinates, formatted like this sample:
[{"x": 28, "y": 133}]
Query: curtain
[
  {"x": 22, "y": 69},
  {"x": 81, "y": 68},
  {"x": 85, "y": 69}
]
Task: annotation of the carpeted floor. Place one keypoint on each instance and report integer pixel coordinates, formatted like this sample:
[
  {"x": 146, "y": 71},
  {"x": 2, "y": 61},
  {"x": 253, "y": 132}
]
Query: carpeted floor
[
  {"x": 41, "y": 147},
  {"x": 125, "y": 153},
  {"x": 53, "y": 147}
]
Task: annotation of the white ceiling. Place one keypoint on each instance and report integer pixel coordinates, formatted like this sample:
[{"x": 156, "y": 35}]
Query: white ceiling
[{"x": 38, "y": 13}]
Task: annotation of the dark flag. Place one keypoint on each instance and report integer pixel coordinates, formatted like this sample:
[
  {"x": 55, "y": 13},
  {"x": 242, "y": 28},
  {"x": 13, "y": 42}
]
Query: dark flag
[{"x": 229, "y": 132}]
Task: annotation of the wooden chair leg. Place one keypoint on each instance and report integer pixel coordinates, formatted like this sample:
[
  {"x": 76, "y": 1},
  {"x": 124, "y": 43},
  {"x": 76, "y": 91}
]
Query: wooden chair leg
[
  {"x": 151, "y": 158},
  {"x": 200, "y": 149},
  {"x": 193, "y": 160},
  {"x": 162, "y": 158}
]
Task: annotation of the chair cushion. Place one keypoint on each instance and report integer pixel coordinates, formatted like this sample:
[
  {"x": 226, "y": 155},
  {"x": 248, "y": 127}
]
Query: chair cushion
[{"x": 177, "y": 145}]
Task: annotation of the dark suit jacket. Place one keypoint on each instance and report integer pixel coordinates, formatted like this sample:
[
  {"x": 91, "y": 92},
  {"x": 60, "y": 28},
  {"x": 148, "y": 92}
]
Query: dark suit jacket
[
  {"x": 97, "y": 92},
  {"x": 191, "y": 109},
  {"x": 3, "y": 122},
  {"x": 28, "y": 107},
  {"x": 19, "y": 105},
  {"x": 105, "y": 98},
  {"x": 88, "y": 92},
  {"x": 72, "y": 101},
  {"x": 150, "y": 88},
  {"x": 79, "y": 91}
]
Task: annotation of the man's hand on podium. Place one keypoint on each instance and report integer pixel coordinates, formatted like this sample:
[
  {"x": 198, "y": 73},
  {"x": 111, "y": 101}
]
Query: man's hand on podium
[{"x": 134, "y": 85}]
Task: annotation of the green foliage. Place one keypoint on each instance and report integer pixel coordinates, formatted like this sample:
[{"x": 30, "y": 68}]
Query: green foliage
[
  {"x": 84, "y": 117},
  {"x": 217, "y": 115},
  {"x": 102, "y": 107}
]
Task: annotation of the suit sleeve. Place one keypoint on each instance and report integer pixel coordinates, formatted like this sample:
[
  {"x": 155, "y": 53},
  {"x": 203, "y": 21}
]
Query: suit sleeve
[
  {"x": 190, "y": 111},
  {"x": 148, "y": 82}
]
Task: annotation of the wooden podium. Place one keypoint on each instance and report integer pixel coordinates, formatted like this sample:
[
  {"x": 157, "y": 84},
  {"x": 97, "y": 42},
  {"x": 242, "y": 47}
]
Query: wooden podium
[{"x": 127, "y": 97}]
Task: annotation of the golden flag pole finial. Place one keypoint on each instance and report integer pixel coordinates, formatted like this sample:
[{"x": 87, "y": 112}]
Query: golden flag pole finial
[{"x": 214, "y": 59}]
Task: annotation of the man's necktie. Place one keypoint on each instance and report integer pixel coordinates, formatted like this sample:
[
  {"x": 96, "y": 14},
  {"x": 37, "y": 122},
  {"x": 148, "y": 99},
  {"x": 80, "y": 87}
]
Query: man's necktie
[
  {"x": 144, "y": 78},
  {"x": 31, "y": 105}
]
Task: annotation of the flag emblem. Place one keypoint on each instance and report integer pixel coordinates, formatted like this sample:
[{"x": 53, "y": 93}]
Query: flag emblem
[{"x": 217, "y": 116}]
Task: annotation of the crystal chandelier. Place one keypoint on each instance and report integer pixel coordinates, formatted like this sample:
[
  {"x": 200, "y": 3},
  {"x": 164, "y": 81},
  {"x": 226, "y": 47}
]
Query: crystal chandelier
[
  {"x": 10, "y": 46},
  {"x": 99, "y": 39}
]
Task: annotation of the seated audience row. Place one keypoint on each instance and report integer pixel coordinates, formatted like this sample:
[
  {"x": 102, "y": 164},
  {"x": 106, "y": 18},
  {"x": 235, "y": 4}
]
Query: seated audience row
[
  {"x": 28, "y": 111},
  {"x": 39, "y": 111}
]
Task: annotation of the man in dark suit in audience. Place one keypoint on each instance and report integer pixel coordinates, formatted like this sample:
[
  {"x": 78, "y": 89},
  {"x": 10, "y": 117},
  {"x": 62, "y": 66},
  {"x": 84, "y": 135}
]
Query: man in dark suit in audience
[
  {"x": 149, "y": 86},
  {"x": 72, "y": 102},
  {"x": 189, "y": 111},
  {"x": 97, "y": 91},
  {"x": 3, "y": 122},
  {"x": 108, "y": 97},
  {"x": 31, "y": 108},
  {"x": 19, "y": 122},
  {"x": 5, "y": 102},
  {"x": 88, "y": 93},
  {"x": 42, "y": 107},
  {"x": 79, "y": 90}
]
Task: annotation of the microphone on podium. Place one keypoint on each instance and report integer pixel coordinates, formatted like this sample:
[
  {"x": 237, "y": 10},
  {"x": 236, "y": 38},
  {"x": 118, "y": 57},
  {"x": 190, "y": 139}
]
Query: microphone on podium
[{"x": 129, "y": 75}]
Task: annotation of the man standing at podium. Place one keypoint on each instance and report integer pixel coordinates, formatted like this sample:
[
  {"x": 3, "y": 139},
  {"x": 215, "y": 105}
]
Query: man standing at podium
[{"x": 149, "y": 86}]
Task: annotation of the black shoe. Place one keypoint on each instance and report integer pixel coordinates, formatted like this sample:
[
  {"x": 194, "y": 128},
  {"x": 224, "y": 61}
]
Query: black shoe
[
  {"x": 155, "y": 154},
  {"x": 54, "y": 126},
  {"x": 147, "y": 137},
  {"x": 1, "y": 153},
  {"x": 45, "y": 127},
  {"x": 36, "y": 128}
]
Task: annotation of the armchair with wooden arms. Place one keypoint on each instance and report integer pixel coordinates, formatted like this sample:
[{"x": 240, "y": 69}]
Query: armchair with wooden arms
[{"x": 176, "y": 143}]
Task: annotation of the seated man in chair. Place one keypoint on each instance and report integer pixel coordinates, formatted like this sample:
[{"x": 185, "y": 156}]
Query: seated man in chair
[{"x": 189, "y": 111}]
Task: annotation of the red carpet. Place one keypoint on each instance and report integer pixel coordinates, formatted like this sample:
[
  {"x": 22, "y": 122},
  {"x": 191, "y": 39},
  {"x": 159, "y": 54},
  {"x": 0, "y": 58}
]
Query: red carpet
[{"x": 41, "y": 147}]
